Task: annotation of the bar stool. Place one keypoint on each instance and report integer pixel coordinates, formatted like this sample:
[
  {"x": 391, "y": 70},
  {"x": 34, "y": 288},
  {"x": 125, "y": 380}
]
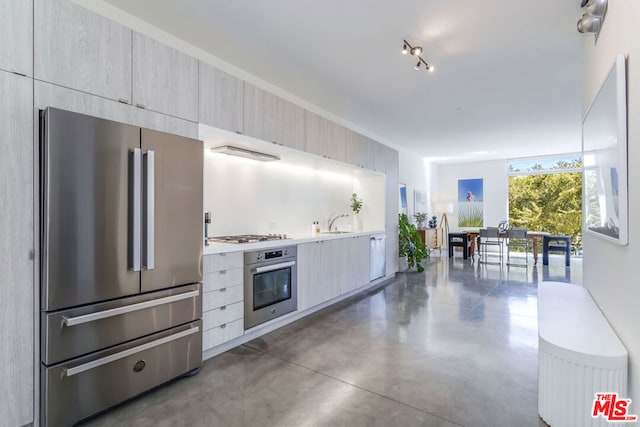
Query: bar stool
[
  {"x": 556, "y": 244},
  {"x": 460, "y": 240}
]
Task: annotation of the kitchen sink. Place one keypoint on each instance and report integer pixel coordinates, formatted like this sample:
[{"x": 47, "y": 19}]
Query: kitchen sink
[{"x": 335, "y": 232}]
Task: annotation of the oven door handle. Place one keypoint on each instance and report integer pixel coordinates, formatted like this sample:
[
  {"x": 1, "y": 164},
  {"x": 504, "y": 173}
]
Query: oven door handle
[
  {"x": 274, "y": 267},
  {"x": 72, "y": 321},
  {"x": 96, "y": 363}
]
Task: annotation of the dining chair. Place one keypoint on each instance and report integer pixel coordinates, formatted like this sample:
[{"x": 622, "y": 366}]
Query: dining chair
[
  {"x": 489, "y": 237},
  {"x": 517, "y": 238}
]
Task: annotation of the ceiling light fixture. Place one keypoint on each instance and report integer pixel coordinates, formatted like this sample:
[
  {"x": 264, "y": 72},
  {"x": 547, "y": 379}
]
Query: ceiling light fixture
[
  {"x": 242, "y": 152},
  {"x": 591, "y": 21},
  {"x": 416, "y": 51}
]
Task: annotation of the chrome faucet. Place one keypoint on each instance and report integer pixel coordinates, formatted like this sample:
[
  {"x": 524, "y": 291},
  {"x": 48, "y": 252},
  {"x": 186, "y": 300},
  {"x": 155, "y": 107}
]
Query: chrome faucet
[{"x": 333, "y": 219}]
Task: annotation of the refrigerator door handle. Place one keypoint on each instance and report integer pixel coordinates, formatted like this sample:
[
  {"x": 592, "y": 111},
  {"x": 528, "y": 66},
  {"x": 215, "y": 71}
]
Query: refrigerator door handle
[
  {"x": 149, "y": 207},
  {"x": 135, "y": 207},
  {"x": 96, "y": 363}
]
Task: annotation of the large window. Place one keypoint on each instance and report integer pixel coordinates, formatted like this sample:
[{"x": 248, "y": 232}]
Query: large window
[{"x": 545, "y": 194}]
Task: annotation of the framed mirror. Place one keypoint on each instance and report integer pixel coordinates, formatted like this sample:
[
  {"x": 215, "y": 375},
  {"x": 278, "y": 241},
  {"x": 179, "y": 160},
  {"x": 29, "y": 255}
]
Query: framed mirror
[{"x": 604, "y": 156}]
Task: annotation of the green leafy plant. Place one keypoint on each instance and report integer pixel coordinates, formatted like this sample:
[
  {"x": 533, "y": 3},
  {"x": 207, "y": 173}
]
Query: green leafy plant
[
  {"x": 356, "y": 203},
  {"x": 420, "y": 218},
  {"x": 410, "y": 243}
]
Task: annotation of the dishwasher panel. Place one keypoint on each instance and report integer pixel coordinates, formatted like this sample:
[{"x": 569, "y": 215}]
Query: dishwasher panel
[{"x": 378, "y": 258}]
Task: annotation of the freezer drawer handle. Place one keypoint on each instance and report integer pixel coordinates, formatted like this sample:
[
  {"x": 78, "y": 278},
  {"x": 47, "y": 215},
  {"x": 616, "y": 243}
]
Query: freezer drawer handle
[
  {"x": 275, "y": 267},
  {"x": 96, "y": 363},
  {"x": 72, "y": 321}
]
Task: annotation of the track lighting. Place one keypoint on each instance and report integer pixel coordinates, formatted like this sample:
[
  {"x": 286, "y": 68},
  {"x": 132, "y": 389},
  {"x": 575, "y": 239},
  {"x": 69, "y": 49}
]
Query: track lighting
[
  {"x": 591, "y": 21},
  {"x": 416, "y": 51}
]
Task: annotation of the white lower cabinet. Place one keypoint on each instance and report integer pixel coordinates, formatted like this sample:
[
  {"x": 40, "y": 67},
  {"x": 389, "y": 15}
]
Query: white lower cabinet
[
  {"x": 223, "y": 333},
  {"x": 221, "y": 315},
  {"x": 330, "y": 268},
  {"x": 222, "y": 298},
  {"x": 316, "y": 274},
  {"x": 358, "y": 259}
]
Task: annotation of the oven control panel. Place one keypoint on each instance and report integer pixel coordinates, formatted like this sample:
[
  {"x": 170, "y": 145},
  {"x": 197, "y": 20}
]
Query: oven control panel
[{"x": 269, "y": 254}]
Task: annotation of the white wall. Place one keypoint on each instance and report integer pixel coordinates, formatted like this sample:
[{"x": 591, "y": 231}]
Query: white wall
[
  {"x": 246, "y": 196},
  {"x": 607, "y": 267},
  {"x": 495, "y": 188},
  {"x": 411, "y": 172}
]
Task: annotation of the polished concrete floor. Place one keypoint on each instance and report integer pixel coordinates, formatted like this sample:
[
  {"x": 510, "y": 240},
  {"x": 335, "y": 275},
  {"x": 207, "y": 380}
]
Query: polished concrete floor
[{"x": 455, "y": 345}]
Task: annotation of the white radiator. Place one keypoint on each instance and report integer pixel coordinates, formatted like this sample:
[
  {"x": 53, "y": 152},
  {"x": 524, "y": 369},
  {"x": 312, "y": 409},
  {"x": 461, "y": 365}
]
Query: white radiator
[{"x": 579, "y": 356}]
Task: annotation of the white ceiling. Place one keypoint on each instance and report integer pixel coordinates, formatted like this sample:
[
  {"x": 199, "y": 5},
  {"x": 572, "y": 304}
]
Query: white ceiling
[{"x": 507, "y": 81}]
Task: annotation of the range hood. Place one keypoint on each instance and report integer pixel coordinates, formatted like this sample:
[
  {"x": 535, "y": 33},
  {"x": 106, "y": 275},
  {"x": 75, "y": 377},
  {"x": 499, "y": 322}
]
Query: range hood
[{"x": 243, "y": 152}]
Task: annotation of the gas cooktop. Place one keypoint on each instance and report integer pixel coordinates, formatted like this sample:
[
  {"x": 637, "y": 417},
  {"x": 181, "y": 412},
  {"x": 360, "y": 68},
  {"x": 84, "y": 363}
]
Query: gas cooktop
[{"x": 247, "y": 238}]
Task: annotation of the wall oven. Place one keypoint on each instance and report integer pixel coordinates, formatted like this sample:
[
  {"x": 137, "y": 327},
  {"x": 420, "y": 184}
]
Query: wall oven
[{"x": 270, "y": 288}]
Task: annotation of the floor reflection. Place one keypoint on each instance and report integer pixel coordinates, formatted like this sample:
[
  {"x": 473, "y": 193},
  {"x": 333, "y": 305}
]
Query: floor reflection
[{"x": 455, "y": 345}]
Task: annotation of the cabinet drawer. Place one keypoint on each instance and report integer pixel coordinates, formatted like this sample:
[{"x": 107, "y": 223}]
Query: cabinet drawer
[
  {"x": 224, "y": 314},
  {"x": 223, "y": 333},
  {"x": 223, "y": 261},
  {"x": 222, "y": 279},
  {"x": 220, "y": 297}
]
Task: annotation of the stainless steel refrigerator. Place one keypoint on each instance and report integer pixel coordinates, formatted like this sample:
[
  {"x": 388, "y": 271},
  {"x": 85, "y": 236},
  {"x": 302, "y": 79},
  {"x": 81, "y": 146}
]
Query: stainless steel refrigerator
[{"x": 121, "y": 249}]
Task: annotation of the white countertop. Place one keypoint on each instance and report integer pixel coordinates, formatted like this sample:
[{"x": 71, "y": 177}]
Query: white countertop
[{"x": 216, "y": 248}]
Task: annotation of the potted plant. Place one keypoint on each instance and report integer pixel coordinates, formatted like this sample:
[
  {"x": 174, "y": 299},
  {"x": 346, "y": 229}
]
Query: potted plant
[
  {"x": 356, "y": 203},
  {"x": 356, "y": 206},
  {"x": 410, "y": 244},
  {"x": 420, "y": 219}
]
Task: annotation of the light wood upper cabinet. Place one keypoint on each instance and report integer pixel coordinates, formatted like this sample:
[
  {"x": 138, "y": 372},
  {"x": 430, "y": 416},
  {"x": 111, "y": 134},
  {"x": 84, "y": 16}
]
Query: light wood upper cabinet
[
  {"x": 16, "y": 249},
  {"x": 221, "y": 99},
  {"x": 317, "y": 134},
  {"x": 337, "y": 142},
  {"x": 16, "y": 36},
  {"x": 384, "y": 158},
  {"x": 324, "y": 137},
  {"x": 164, "y": 79},
  {"x": 76, "y": 48},
  {"x": 273, "y": 119},
  {"x": 360, "y": 150},
  {"x": 49, "y": 95}
]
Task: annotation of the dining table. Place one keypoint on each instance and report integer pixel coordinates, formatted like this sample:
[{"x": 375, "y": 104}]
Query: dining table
[{"x": 534, "y": 236}]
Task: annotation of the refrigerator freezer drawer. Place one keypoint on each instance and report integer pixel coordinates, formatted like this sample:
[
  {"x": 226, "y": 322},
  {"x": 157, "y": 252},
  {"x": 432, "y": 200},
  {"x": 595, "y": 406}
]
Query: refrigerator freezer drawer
[
  {"x": 85, "y": 386},
  {"x": 72, "y": 333}
]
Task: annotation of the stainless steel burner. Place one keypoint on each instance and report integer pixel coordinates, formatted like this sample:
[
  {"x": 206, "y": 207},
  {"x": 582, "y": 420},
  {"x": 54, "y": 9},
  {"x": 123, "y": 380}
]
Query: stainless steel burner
[{"x": 247, "y": 238}]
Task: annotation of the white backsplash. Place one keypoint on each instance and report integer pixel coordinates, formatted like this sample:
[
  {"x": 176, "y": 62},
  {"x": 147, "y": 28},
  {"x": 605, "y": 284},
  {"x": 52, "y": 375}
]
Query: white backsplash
[{"x": 248, "y": 196}]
